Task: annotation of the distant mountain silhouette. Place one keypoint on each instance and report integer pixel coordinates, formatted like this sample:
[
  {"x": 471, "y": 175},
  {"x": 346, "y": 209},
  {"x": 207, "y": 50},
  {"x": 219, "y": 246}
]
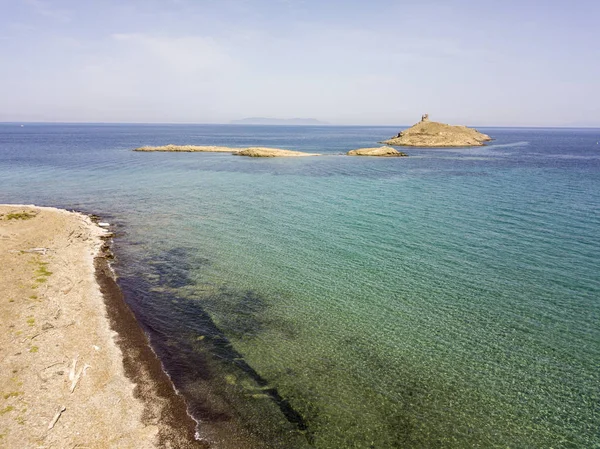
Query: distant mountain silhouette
[{"x": 277, "y": 121}]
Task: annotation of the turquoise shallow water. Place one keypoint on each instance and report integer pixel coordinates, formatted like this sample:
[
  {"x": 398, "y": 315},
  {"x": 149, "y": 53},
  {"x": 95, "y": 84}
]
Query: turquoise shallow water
[{"x": 448, "y": 299}]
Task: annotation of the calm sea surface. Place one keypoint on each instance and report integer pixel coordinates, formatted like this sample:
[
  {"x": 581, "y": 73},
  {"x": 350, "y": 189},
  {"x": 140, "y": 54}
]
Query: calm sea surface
[{"x": 447, "y": 299}]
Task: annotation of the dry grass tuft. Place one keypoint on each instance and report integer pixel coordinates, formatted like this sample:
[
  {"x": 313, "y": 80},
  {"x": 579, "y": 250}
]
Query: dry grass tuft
[{"x": 20, "y": 215}]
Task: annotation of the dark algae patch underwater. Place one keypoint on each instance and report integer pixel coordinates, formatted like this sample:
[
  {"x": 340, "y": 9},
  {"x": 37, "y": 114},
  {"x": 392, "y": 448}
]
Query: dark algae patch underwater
[
  {"x": 233, "y": 403},
  {"x": 231, "y": 400}
]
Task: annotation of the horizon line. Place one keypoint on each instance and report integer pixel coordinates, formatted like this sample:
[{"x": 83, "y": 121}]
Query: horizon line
[{"x": 323, "y": 125}]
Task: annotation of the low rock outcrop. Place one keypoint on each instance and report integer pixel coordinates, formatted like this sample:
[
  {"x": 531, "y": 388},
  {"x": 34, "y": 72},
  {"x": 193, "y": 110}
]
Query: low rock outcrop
[
  {"x": 271, "y": 152},
  {"x": 248, "y": 151},
  {"x": 190, "y": 149},
  {"x": 379, "y": 151}
]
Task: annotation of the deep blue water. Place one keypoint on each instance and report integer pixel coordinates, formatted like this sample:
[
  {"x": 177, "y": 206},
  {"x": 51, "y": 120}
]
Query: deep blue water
[{"x": 447, "y": 299}]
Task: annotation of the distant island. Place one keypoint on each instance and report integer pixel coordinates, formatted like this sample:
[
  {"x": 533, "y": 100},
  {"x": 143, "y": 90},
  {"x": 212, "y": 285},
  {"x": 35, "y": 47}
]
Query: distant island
[
  {"x": 436, "y": 134},
  {"x": 278, "y": 121}
]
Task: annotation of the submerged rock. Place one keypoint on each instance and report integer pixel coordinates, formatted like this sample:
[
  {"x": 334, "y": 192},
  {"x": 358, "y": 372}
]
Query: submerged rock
[
  {"x": 435, "y": 134},
  {"x": 380, "y": 152},
  {"x": 272, "y": 152}
]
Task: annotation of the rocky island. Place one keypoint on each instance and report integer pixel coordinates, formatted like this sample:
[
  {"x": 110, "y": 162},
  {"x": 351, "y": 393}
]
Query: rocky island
[
  {"x": 435, "y": 134},
  {"x": 379, "y": 151}
]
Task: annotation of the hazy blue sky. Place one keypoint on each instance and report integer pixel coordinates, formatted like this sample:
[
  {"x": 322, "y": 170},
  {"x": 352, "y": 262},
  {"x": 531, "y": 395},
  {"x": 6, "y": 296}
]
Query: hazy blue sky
[{"x": 347, "y": 62}]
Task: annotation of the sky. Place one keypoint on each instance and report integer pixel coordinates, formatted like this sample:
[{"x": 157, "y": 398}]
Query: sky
[{"x": 378, "y": 62}]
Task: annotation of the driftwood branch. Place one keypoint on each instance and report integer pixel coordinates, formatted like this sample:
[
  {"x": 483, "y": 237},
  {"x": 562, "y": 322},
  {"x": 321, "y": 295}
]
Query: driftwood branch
[
  {"x": 59, "y": 412},
  {"x": 41, "y": 251},
  {"x": 75, "y": 378},
  {"x": 73, "y": 368}
]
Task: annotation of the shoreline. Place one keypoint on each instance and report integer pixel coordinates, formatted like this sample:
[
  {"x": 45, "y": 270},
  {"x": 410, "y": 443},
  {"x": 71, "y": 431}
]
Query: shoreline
[
  {"x": 87, "y": 376},
  {"x": 162, "y": 403}
]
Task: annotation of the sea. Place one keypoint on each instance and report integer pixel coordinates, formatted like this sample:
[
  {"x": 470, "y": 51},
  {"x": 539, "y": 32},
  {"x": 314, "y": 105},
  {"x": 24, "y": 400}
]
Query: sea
[{"x": 447, "y": 299}]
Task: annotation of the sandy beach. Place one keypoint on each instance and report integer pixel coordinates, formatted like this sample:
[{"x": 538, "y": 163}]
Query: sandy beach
[{"x": 77, "y": 370}]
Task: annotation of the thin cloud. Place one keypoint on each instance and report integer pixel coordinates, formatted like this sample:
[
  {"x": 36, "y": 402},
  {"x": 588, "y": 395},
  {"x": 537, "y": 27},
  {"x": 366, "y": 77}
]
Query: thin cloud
[
  {"x": 181, "y": 54},
  {"x": 43, "y": 8}
]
